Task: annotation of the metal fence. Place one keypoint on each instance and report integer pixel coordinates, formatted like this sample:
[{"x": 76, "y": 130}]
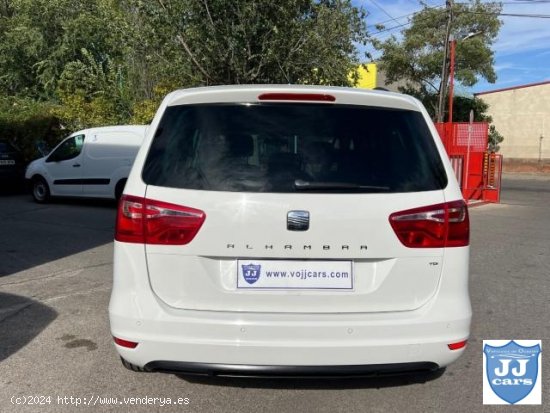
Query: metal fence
[
  {"x": 478, "y": 172},
  {"x": 459, "y": 136}
]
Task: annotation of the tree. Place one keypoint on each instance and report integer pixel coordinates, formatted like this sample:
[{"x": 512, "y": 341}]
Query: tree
[
  {"x": 93, "y": 93},
  {"x": 97, "y": 62},
  {"x": 24, "y": 122},
  {"x": 417, "y": 58},
  {"x": 40, "y": 37},
  {"x": 494, "y": 139},
  {"x": 246, "y": 41}
]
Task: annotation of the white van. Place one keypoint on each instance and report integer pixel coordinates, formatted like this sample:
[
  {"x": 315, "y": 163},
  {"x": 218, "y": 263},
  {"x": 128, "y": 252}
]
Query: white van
[
  {"x": 290, "y": 230},
  {"x": 90, "y": 163}
]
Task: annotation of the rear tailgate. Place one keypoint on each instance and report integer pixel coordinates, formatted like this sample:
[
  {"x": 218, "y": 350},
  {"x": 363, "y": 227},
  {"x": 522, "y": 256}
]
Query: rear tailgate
[
  {"x": 248, "y": 159},
  {"x": 249, "y": 228}
]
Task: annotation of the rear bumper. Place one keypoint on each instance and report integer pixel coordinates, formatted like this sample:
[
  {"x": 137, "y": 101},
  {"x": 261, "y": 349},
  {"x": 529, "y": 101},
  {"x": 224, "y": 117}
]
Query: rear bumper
[
  {"x": 305, "y": 341},
  {"x": 241, "y": 370},
  {"x": 213, "y": 342},
  {"x": 301, "y": 344}
]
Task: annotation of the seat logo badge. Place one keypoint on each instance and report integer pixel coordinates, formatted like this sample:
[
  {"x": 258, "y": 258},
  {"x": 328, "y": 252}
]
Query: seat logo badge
[
  {"x": 297, "y": 221},
  {"x": 251, "y": 273}
]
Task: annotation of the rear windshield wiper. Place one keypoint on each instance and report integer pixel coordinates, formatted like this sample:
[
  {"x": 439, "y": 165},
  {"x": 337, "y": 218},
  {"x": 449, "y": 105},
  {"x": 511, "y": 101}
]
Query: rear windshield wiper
[{"x": 302, "y": 185}]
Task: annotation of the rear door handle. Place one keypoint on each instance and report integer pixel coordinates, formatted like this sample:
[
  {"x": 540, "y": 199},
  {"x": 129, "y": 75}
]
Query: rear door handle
[{"x": 76, "y": 165}]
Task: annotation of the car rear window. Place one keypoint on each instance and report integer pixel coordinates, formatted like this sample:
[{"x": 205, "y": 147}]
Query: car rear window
[{"x": 293, "y": 147}]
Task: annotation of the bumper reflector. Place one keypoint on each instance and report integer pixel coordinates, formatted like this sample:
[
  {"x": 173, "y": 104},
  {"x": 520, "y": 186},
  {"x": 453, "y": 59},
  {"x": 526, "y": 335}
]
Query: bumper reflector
[
  {"x": 458, "y": 345},
  {"x": 125, "y": 343}
]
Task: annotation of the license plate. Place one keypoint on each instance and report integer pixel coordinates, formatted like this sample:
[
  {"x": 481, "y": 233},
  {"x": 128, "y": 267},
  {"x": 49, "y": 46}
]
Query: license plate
[
  {"x": 7, "y": 162},
  {"x": 295, "y": 275}
]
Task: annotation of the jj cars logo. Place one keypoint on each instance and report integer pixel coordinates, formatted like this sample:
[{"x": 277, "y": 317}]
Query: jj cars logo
[
  {"x": 512, "y": 372},
  {"x": 251, "y": 273}
]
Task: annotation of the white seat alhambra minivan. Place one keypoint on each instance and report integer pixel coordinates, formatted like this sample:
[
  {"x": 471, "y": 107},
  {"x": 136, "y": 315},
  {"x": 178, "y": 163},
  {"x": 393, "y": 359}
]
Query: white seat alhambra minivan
[{"x": 290, "y": 231}]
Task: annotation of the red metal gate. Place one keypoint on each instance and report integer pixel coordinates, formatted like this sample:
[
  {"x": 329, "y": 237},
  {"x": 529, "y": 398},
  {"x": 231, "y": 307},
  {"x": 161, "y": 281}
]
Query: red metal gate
[
  {"x": 492, "y": 167},
  {"x": 478, "y": 172}
]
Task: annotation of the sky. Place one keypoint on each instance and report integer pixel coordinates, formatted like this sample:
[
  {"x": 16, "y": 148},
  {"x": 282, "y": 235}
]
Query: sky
[{"x": 522, "y": 48}]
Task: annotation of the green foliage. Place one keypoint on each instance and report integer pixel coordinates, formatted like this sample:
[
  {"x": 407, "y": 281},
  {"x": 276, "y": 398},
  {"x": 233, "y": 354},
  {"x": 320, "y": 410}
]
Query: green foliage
[
  {"x": 494, "y": 139},
  {"x": 245, "y": 41},
  {"x": 62, "y": 60},
  {"x": 25, "y": 122},
  {"x": 416, "y": 59},
  {"x": 461, "y": 108},
  {"x": 92, "y": 93},
  {"x": 85, "y": 63},
  {"x": 39, "y": 37},
  {"x": 144, "y": 110}
]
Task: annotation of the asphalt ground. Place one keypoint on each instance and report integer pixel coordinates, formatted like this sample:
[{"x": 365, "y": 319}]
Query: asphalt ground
[{"x": 55, "y": 281}]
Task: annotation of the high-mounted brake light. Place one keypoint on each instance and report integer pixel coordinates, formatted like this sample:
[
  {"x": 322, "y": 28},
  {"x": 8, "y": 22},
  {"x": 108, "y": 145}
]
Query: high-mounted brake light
[
  {"x": 312, "y": 97},
  {"x": 146, "y": 221},
  {"x": 434, "y": 226}
]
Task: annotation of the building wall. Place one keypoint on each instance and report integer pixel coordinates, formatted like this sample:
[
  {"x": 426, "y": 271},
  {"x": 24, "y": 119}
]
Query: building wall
[
  {"x": 370, "y": 76},
  {"x": 522, "y": 116},
  {"x": 367, "y": 76},
  {"x": 381, "y": 81}
]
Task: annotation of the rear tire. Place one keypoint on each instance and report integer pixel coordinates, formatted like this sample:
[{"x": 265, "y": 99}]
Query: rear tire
[
  {"x": 119, "y": 189},
  {"x": 40, "y": 190},
  {"x": 131, "y": 366}
]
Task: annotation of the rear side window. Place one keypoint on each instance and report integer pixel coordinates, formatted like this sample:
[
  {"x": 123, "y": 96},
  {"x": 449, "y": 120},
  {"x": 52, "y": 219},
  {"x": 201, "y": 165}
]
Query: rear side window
[{"x": 281, "y": 147}]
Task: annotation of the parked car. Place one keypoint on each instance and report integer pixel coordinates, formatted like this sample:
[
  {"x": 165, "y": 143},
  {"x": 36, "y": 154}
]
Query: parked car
[
  {"x": 12, "y": 167},
  {"x": 290, "y": 230},
  {"x": 89, "y": 163}
]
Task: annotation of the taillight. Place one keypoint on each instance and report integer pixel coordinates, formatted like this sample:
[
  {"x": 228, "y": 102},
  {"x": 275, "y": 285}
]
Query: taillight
[
  {"x": 146, "y": 221},
  {"x": 434, "y": 226}
]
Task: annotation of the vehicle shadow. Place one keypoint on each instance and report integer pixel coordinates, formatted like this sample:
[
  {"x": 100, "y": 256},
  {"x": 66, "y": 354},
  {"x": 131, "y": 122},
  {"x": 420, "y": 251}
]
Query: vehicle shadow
[
  {"x": 11, "y": 188},
  {"x": 33, "y": 234},
  {"x": 93, "y": 202},
  {"x": 21, "y": 320},
  {"x": 337, "y": 383}
]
